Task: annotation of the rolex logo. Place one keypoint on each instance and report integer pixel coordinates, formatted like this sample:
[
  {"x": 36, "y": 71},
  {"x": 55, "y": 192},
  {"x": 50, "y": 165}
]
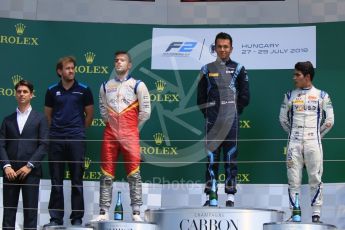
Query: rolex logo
[
  {"x": 89, "y": 57},
  {"x": 16, "y": 79},
  {"x": 20, "y": 27},
  {"x": 160, "y": 85},
  {"x": 18, "y": 39},
  {"x": 87, "y": 162},
  {"x": 158, "y": 137}
]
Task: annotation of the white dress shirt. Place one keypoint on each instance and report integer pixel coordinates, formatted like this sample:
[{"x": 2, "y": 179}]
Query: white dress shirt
[{"x": 22, "y": 117}]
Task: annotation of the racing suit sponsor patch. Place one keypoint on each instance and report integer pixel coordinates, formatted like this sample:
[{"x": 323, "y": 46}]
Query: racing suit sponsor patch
[{"x": 213, "y": 74}]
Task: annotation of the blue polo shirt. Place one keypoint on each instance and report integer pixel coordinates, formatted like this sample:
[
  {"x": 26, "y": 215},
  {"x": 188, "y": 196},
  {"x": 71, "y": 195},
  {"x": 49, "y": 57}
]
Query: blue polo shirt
[{"x": 68, "y": 119}]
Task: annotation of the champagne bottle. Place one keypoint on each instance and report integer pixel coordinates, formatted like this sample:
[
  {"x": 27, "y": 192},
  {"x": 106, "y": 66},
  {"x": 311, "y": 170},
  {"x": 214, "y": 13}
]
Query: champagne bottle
[
  {"x": 296, "y": 210},
  {"x": 118, "y": 211},
  {"x": 213, "y": 196}
]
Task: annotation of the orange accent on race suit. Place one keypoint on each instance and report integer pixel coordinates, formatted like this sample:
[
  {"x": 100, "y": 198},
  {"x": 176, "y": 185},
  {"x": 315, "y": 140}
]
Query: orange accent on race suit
[{"x": 135, "y": 104}]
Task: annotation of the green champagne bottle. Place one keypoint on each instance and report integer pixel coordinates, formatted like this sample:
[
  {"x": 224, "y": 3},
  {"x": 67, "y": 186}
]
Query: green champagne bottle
[
  {"x": 118, "y": 212},
  {"x": 213, "y": 196}
]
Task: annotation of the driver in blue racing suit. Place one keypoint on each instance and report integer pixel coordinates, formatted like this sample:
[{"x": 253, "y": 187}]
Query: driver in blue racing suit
[{"x": 223, "y": 92}]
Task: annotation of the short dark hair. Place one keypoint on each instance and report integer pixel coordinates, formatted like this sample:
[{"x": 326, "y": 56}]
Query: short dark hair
[
  {"x": 25, "y": 83},
  {"x": 61, "y": 61},
  {"x": 223, "y": 35},
  {"x": 125, "y": 53},
  {"x": 306, "y": 68}
]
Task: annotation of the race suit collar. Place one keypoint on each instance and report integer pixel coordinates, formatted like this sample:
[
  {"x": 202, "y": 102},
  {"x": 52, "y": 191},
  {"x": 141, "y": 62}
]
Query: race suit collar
[
  {"x": 307, "y": 88},
  {"x": 220, "y": 61},
  {"x": 125, "y": 79}
]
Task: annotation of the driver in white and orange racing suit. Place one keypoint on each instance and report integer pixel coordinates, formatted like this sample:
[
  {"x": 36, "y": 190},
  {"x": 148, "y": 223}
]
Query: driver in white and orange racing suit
[
  {"x": 306, "y": 114},
  {"x": 124, "y": 105}
]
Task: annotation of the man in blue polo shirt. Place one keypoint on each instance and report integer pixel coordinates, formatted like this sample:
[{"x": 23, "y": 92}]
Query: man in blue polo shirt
[{"x": 69, "y": 109}]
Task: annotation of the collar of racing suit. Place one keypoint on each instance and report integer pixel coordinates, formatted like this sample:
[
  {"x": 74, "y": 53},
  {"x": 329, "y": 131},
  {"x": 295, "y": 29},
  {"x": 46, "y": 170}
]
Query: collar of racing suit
[
  {"x": 308, "y": 88},
  {"x": 125, "y": 79},
  {"x": 220, "y": 61}
]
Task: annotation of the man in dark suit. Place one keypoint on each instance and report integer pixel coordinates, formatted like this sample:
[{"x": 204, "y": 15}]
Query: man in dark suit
[{"x": 23, "y": 144}]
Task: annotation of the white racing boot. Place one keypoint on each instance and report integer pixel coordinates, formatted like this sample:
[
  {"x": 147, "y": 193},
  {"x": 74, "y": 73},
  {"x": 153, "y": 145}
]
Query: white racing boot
[
  {"x": 136, "y": 217},
  {"x": 103, "y": 216}
]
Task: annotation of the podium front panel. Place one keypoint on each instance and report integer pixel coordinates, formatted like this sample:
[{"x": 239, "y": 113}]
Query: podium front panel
[
  {"x": 212, "y": 218},
  {"x": 298, "y": 226},
  {"x": 121, "y": 225}
]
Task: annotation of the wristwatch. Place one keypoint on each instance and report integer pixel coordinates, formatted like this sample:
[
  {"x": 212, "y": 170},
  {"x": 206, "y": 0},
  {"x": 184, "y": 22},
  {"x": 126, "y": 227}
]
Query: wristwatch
[{"x": 29, "y": 165}]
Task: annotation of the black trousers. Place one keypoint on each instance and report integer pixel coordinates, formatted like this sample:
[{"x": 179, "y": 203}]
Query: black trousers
[
  {"x": 72, "y": 151},
  {"x": 30, "y": 192}
]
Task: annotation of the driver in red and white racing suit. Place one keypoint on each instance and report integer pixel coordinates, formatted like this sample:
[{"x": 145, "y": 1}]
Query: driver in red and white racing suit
[
  {"x": 306, "y": 115},
  {"x": 124, "y": 105}
]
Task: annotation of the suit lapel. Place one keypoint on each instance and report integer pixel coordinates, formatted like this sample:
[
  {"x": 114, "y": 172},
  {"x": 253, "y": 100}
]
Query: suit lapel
[
  {"x": 14, "y": 122},
  {"x": 29, "y": 120}
]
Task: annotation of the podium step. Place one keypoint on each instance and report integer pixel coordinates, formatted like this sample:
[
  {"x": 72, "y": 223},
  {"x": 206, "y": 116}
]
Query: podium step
[
  {"x": 121, "y": 225},
  {"x": 67, "y": 228},
  {"x": 219, "y": 218},
  {"x": 298, "y": 226}
]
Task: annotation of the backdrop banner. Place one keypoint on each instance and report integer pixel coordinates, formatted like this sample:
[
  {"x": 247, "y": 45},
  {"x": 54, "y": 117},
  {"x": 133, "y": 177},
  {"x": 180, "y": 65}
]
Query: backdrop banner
[
  {"x": 258, "y": 48},
  {"x": 168, "y": 61}
]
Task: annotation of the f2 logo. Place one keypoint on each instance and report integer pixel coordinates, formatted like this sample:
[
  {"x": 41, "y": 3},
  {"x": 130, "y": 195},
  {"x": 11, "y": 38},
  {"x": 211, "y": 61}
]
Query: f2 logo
[{"x": 182, "y": 46}]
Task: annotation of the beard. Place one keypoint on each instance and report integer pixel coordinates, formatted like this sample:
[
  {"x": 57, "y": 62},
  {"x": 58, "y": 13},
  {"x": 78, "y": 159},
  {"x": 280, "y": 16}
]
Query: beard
[
  {"x": 68, "y": 77},
  {"x": 120, "y": 71}
]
